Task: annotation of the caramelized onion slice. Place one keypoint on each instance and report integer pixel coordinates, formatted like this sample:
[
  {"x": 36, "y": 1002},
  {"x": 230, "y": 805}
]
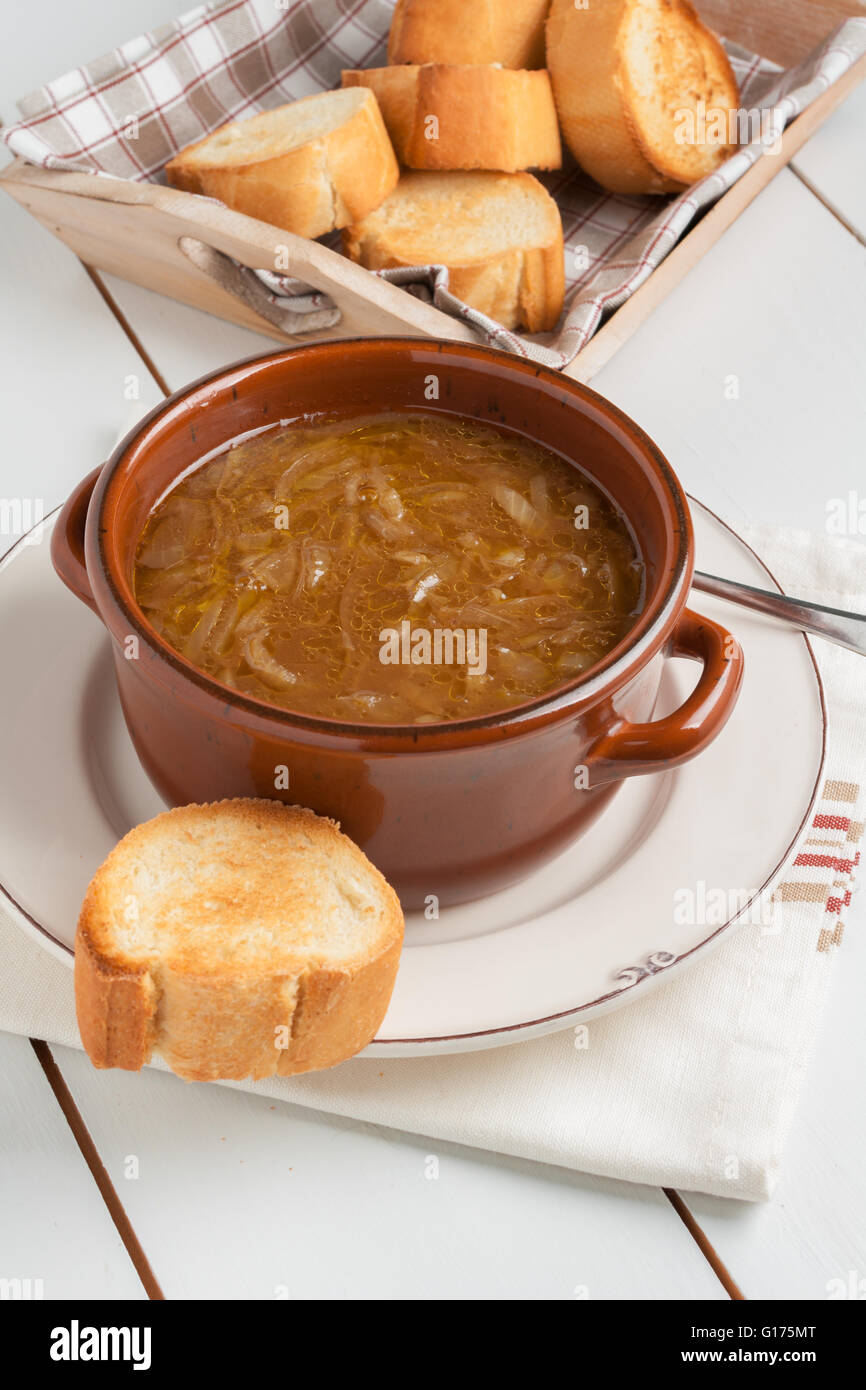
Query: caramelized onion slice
[
  {"x": 440, "y": 521},
  {"x": 163, "y": 550},
  {"x": 394, "y": 532},
  {"x": 389, "y": 498},
  {"x": 315, "y": 563},
  {"x": 214, "y": 628},
  {"x": 538, "y": 492},
  {"x": 522, "y": 667},
  {"x": 517, "y": 507},
  {"x": 260, "y": 660},
  {"x": 277, "y": 570},
  {"x": 572, "y": 663}
]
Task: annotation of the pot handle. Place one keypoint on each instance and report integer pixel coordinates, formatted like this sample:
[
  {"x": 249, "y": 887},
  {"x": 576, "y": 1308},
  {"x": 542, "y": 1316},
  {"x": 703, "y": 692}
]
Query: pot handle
[
  {"x": 629, "y": 749},
  {"x": 67, "y": 541}
]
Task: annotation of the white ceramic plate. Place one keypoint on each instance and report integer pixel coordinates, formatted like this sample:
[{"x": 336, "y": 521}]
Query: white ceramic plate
[{"x": 592, "y": 930}]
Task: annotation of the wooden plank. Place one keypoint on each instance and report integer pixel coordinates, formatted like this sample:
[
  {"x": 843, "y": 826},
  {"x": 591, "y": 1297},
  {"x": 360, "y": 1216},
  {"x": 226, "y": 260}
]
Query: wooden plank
[
  {"x": 750, "y": 376},
  {"x": 696, "y": 244},
  {"x": 613, "y": 335},
  {"x": 135, "y": 230},
  {"x": 783, "y": 30},
  {"x": 831, "y": 163},
  {"x": 754, "y": 309},
  {"x": 810, "y": 1241},
  {"x": 242, "y": 1197},
  {"x": 183, "y": 342},
  {"x": 363, "y": 1196},
  {"x": 770, "y": 327},
  {"x": 70, "y": 375},
  {"x": 56, "y": 1237}
]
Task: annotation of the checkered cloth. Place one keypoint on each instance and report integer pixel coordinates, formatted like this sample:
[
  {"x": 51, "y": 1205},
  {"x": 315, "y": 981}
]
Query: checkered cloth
[{"x": 126, "y": 114}]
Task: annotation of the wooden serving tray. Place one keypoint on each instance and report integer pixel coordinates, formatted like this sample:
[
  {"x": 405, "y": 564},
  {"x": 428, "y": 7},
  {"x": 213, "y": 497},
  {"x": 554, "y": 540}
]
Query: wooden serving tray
[{"x": 134, "y": 230}]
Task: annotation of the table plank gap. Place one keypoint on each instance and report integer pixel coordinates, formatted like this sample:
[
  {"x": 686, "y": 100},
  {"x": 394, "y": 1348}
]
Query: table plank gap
[
  {"x": 705, "y": 1246},
  {"x": 115, "y": 309},
  {"x": 97, "y": 1168},
  {"x": 57, "y": 1240},
  {"x": 700, "y": 1239},
  {"x": 832, "y": 158},
  {"x": 314, "y": 1205},
  {"x": 831, "y": 207}
]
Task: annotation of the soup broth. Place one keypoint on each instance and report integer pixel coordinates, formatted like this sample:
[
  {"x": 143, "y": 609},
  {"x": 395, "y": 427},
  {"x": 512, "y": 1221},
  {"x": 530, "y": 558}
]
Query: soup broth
[{"x": 395, "y": 569}]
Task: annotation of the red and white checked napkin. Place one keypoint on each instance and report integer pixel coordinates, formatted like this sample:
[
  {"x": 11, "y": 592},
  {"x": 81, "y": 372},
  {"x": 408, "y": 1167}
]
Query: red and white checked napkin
[
  {"x": 693, "y": 1086},
  {"x": 128, "y": 112}
]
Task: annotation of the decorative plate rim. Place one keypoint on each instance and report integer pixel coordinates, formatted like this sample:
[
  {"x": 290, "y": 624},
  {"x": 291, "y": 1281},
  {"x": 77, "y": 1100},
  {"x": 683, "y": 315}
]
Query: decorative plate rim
[{"x": 654, "y": 965}]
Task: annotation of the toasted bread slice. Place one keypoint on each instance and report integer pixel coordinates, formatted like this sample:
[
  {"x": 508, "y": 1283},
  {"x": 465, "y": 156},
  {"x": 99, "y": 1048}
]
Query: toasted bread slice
[
  {"x": 510, "y": 32},
  {"x": 308, "y": 167},
  {"x": 500, "y": 235},
  {"x": 643, "y": 92},
  {"x": 241, "y": 939},
  {"x": 447, "y": 116}
]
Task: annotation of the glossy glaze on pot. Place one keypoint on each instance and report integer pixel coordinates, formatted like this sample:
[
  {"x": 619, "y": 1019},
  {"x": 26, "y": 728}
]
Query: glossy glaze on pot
[{"x": 450, "y": 811}]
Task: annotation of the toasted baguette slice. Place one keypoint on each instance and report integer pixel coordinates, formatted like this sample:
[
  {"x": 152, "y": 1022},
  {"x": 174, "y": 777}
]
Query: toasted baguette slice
[
  {"x": 510, "y": 32},
  {"x": 308, "y": 167},
  {"x": 442, "y": 116},
  {"x": 241, "y": 939},
  {"x": 500, "y": 236},
  {"x": 631, "y": 79}
]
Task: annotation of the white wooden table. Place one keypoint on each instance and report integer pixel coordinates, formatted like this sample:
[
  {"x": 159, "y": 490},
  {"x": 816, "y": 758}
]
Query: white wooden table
[{"x": 240, "y": 1198}]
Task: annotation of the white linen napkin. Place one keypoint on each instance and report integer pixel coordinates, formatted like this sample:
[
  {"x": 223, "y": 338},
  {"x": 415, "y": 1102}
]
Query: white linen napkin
[{"x": 693, "y": 1086}]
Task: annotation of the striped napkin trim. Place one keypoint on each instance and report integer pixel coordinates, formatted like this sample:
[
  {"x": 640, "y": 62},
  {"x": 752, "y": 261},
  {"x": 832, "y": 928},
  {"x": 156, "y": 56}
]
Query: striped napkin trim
[{"x": 824, "y": 870}]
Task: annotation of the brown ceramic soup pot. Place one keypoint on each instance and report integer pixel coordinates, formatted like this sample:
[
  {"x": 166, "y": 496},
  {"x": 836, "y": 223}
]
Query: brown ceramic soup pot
[{"x": 447, "y": 811}]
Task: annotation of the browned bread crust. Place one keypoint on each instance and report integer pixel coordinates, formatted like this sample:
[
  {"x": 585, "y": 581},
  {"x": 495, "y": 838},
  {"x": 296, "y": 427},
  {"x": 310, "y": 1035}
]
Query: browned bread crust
[
  {"x": 307, "y": 167},
  {"x": 447, "y": 116},
  {"x": 500, "y": 235},
  {"x": 510, "y": 32},
  {"x": 627, "y": 76},
  {"x": 240, "y": 939}
]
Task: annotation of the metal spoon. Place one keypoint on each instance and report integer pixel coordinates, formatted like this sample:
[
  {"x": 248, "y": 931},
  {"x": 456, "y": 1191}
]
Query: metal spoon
[{"x": 837, "y": 625}]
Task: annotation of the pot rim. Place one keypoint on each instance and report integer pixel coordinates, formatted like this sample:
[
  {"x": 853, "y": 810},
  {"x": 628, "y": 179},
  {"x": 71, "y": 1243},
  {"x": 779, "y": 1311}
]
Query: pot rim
[{"x": 633, "y": 650}]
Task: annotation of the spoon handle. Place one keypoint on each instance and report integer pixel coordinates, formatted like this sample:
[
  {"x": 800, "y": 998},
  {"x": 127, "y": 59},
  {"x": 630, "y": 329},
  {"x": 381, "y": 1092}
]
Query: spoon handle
[{"x": 837, "y": 625}]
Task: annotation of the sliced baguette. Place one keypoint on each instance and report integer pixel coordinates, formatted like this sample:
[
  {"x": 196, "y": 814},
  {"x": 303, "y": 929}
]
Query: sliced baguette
[
  {"x": 308, "y": 167},
  {"x": 500, "y": 235},
  {"x": 241, "y": 939},
  {"x": 510, "y": 32},
  {"x": 629, "y": 78},
  {"x": 448, "y": 116}
]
